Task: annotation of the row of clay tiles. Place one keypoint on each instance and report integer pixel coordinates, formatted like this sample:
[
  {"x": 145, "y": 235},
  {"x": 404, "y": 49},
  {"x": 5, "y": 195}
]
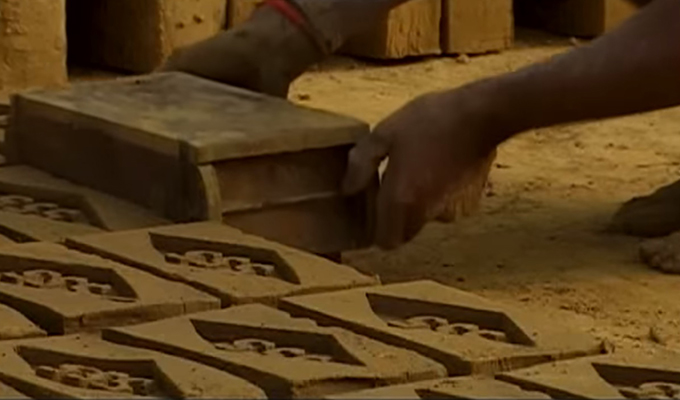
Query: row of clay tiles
[
  {"x": 127, "y": 35},
  {"x": 204, "y": 311}
]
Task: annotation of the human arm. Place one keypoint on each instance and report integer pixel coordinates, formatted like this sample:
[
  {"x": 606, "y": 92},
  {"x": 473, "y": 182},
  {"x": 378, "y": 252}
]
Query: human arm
[
  {"x": 635, "y": 68},
  {"x": 267, "y": 52}
]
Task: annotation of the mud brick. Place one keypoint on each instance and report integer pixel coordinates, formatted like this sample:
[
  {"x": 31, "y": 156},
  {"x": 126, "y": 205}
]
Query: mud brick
[
  {"x": 621, "y": 375},
  {"x": 411, "y": 29},
  {"x": 192, "y": 149},
  {"x": 35, "y": 206},
  {"x": 241, "y": 10},
  {"x": 13, "y": 325},
  {"x": 32, "y": 44},
  {"x": 467, "y": 333},
  {"x": 287, "y": 357},
  {"x": 586, "y": 18},
  {"x": 137, "y": 35},
  {"x": 451, "y": 388},
  {"x": 477, "y": 26},
  {"x": 225, "y": 262},
  {"x": 87, "y": 367},
  {"x": 54, "y": 287}
]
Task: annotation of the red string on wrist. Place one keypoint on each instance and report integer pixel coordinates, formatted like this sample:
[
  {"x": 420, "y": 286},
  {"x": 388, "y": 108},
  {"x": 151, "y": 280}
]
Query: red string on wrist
[{"x": 289, "y": 11}]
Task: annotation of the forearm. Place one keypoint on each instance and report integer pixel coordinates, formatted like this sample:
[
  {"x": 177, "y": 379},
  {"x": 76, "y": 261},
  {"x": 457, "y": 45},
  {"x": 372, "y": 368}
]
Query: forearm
[{"x": 635, "y": 68}]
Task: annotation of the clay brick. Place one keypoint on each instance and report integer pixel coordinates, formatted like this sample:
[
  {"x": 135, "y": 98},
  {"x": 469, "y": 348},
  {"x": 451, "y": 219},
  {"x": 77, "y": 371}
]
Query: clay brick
[
  {"x": 465, "y": 332},
  {"x": 65, "y": 291},
  {"x": 574, "y": 17},
  {"x": 286, "y": 357},
  {"x": 621, "y": 375},
  {"x": 241, "y": 10},
  {"x": 35, "y": 206},
  {"x": 32, "y": 44},
  {"x": 229, "y": 264},
  {"x": 477, "y": 26},
  {"x": 6, "y": 392},
  {"x": 411, "y": 29},
  {"x": 451, "y": 388},
  {"x": 86, "y": 367},
  {"x": 237, "y": 156},
  {"x": 15, "y": 326},
  {"x": 138, "y": 36}
]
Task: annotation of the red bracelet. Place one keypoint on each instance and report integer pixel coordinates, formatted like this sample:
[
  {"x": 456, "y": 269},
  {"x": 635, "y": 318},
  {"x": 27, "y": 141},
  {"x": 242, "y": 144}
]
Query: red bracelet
[
  {"x": 297, "y": 17},
  {"x": 289, "y": 11}
]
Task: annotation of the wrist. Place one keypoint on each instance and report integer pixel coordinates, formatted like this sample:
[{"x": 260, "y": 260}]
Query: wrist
[
  {"x": 285, "y": 47},
  {"x": 487, "y": 111}
]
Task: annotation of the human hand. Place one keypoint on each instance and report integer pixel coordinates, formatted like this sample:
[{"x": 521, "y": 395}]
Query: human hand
[{"x": 437, "y": 169}]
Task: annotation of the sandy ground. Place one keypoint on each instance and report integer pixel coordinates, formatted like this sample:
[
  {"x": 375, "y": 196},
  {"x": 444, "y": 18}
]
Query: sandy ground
[{"x": 539, "y": 239}]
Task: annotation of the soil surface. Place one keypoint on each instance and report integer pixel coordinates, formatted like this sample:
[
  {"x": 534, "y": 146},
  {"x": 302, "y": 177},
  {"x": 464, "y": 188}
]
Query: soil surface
[{"x": 538, "y": 240}]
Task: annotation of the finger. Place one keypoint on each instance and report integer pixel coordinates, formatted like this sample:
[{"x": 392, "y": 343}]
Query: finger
[
  {"x": 390, "y": 217},
  {"x": 401, "y": 215},
  {"x": 363, "y": 162}
]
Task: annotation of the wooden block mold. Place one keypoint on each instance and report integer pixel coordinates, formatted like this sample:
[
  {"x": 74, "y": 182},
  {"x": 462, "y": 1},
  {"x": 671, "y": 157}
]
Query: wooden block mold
[
  {"x": 35, "y": 206},
  {"x": 236, "y": 267},
  {"x": 191, "y": 149},
  {"x": 86, "y": 367},
  {"x": 467, "y": 333},
  {"x": 64, "y": 291},
  {"x": 286, "y": 357}
]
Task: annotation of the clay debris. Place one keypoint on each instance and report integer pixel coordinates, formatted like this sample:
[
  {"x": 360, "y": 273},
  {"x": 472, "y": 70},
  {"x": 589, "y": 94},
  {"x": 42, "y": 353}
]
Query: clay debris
[
  {"x": 225, "y": 262},
  {"x": 285, "y": 356}
]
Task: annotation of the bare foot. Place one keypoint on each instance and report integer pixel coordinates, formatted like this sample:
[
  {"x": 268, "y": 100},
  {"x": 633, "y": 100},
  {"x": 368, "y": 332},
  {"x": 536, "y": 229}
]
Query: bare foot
[
  {"x": 651, "y": 216},
  {"x": 662, "y": 254}
]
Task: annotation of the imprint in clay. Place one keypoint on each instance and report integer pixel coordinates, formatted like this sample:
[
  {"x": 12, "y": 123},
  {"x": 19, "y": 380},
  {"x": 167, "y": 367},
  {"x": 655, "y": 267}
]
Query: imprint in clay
[
  {"x": 25, "y": 205},
  {"x": 621, "y": 375},
  {"x": 267, "y": 348},
  {"x": 87, "y": 367},
  {"x": 651, "y": 390},
  {"x": 287, "y": 357},
  {"x": 442, "y": 325},
  {"x": 216, "y": 260},
  {"x": 480, "y": 323},
  {"x": 46, "y": 279},
  {"x": 87, "y": 377},
  {"x": 467, "y": 333},
  {"x": 236, "y": 267}
]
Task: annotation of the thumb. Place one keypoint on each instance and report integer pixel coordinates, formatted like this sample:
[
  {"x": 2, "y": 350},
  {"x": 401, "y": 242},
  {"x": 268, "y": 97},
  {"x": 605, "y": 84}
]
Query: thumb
[{"x": 364, "y": 160}]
